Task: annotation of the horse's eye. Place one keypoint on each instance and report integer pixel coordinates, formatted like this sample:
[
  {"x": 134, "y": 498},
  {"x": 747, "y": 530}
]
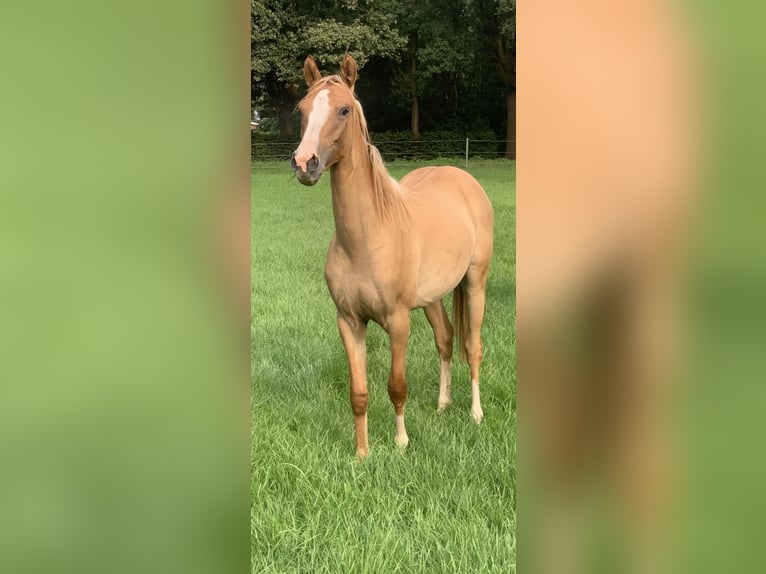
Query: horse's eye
[{"x": 344, "y": 111}]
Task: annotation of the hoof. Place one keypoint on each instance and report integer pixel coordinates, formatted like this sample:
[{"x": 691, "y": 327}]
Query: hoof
[
  {"x": 362, "y": 453},
  {"x": 442, "y": 406},
  {"x": 477, "y": 415},
  {"x": 402, "y": 441}
]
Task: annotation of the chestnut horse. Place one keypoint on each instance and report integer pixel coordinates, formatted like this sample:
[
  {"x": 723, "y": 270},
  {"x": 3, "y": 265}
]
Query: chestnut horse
[{"x": 397, "y": 246}]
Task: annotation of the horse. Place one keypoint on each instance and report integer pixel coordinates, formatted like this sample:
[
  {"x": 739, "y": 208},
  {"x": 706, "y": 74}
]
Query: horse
[{"x": 397, "y": 246}]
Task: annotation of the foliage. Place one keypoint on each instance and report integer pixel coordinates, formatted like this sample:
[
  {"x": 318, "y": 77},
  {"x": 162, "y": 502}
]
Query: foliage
[
  {"x": 364, "y": 29},
  {"x": 506, "y": 16},
  {"x": 284, "y": 32},
  {"x": 446, "y": 36},
  {"x": 464, "y": 58},
  {"x": 500, "y": 20}
]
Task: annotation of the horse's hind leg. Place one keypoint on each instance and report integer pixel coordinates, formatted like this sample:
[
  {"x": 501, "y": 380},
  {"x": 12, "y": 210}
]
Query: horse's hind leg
[
  {"x": 474, "y": 288},
  {"x": 439, "y": 321}
]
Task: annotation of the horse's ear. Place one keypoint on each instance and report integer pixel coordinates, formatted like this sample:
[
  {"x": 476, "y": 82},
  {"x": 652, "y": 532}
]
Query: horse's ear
[
  {"x": 348, "y": 71},
  {"x": 310, "y": 71}
]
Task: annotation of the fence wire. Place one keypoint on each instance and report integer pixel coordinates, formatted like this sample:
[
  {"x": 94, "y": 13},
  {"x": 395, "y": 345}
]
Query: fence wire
[{"x": 464, "y": 152}]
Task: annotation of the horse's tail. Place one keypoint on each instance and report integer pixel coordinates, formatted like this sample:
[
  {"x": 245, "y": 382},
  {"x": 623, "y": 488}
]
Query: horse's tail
[{"x": 460, "y": 321}]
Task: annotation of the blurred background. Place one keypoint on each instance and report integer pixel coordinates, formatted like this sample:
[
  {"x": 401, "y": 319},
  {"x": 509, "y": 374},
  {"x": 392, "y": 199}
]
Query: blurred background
[
  {"x": 639, "y": 279},
  {"x": 124, "y": 281}
]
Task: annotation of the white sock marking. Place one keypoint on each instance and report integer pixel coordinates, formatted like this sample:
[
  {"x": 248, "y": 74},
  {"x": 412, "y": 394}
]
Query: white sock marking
[
  {"x": 401, "y": 439},
  {"x": 476, "y": 411},
  {"x": 445, "y": 384}
]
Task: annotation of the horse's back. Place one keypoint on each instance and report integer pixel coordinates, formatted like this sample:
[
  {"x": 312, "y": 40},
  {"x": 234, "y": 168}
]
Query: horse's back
[{"x": 448, "y": 188}]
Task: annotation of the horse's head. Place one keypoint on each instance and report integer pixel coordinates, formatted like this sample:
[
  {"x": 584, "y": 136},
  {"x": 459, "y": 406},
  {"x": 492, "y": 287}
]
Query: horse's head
[{"x": 325, "y": 110}]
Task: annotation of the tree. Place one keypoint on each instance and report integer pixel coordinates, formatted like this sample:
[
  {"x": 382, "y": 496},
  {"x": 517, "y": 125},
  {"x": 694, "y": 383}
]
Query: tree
[
  {"x": 274, "y": 51},
  {"x": 505, "y": 43},
  {"x": 456, "y": 60},
  {"x": 284, "y": 32},
  {"x": 440, "y": 49},
  {"x": 499, "y": 18}
]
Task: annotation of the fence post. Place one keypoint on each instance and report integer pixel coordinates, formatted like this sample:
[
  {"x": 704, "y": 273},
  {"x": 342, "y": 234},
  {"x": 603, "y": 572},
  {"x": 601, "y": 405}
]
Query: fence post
[{"x": 466, "y": 153}]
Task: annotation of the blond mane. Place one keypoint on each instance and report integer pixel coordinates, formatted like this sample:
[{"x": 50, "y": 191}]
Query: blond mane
[{"x": 390, "y": 199}]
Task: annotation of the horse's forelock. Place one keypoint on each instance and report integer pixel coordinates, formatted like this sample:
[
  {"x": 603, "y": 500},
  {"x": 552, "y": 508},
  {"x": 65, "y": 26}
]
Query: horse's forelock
[{"x": 325, "y": 82}]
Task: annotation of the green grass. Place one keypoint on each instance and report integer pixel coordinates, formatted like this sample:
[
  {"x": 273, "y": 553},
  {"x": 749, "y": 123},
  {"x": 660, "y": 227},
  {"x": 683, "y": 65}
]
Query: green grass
[{"x": 448, "y": 503}]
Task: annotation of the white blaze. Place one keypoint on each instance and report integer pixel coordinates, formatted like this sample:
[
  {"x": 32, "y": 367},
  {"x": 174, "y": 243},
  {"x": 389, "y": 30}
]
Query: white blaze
[{"x": 317, "y": 118}]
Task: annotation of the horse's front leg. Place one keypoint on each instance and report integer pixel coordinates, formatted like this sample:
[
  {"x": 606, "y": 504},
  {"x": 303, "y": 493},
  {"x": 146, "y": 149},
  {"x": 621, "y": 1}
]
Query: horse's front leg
[
  {"x": 353, "y": 331},
  {"x": 398, "y": 328}
]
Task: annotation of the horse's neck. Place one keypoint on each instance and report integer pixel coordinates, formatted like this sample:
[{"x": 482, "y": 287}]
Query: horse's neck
[{"x": 357, "y": 225}]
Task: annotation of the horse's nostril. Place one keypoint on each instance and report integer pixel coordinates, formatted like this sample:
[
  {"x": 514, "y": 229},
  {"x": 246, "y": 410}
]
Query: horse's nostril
[
  {"x": 293, "y": 165},
  {"x": 313, "y": 163}
]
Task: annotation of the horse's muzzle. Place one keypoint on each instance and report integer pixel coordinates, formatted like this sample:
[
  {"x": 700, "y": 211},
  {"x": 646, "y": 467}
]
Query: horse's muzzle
[{"x": 312, "y": 172}]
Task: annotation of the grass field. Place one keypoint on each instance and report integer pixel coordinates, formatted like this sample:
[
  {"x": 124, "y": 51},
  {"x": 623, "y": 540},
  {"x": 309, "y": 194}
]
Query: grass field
[{"x": 448, "y": 503}]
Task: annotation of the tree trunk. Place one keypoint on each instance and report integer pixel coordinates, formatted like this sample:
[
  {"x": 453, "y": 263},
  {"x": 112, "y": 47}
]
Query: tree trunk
[
  {"x": 284, "y": 99},
  {"x": 415, "y": 120},
  {"x": 285, "y": 120},
  {"x": 415, "y": 115},
  {"x": 510, "y": 132}
]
